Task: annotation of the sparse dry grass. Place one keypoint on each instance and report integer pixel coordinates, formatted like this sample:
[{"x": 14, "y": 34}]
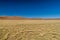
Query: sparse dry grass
[{"x": 29, "y": 29}]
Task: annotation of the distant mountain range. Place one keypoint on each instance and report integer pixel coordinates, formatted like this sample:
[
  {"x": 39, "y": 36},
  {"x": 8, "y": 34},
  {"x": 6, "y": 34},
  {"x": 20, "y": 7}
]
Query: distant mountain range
[{"x": 22, "y": 18}]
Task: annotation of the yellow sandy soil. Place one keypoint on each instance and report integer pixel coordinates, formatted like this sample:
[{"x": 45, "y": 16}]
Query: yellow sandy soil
[{"x": 29, "y": 29}]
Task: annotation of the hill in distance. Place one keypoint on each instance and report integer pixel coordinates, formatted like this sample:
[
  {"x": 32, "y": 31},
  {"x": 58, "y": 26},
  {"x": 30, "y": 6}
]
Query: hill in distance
[
  {"x": 11, "y": 18},
  {"x": 23, "y": 18}
]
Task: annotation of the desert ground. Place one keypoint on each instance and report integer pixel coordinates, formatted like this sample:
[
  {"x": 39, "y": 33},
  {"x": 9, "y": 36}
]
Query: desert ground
[{"x": 29, "y": 29}]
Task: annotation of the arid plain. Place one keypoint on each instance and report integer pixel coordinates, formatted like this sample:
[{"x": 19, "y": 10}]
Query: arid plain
[{"x": 29, "y": 29}]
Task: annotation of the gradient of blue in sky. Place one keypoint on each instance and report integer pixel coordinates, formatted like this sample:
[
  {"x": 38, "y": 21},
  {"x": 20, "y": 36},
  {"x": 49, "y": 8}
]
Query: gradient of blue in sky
[{"x": 30, "y": 8}]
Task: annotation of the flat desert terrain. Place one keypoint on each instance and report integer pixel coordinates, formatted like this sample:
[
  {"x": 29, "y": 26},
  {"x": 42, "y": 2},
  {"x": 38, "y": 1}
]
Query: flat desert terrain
[{"x": 29, "y": 29}]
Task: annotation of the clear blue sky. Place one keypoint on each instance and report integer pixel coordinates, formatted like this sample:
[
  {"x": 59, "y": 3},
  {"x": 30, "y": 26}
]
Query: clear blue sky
[{"x": 30, "y": 8}]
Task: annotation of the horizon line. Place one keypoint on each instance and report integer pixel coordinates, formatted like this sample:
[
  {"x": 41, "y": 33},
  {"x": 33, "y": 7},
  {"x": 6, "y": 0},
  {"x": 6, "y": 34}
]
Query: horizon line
[{"x": 34, "y": 17}]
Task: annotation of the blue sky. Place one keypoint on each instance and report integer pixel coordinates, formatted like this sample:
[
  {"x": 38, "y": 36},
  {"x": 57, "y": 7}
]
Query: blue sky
[{"x": 30, "y": 8}]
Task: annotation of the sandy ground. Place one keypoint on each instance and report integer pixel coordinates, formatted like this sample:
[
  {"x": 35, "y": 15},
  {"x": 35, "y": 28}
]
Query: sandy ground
[{"x": 30, "y": 29}]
